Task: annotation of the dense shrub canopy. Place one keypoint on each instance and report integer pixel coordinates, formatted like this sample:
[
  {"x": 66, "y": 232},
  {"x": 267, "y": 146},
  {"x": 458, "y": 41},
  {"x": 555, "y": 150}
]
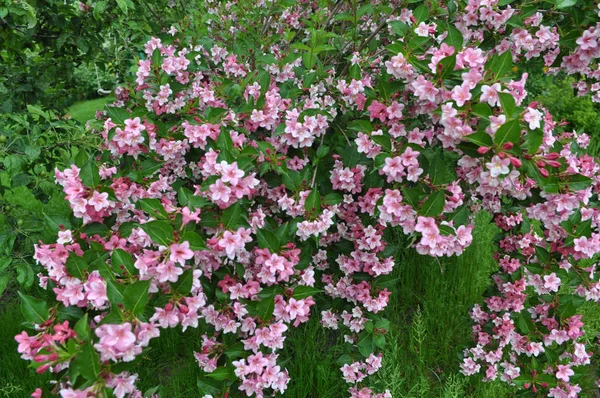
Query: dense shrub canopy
[{"x": 252, "y": 172}]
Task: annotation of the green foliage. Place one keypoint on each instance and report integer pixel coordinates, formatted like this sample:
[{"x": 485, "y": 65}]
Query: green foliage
[
  {"x": 49, "y": 47},
  {"x": 557, "y": 94},
  {"x": 32, "y": 206}
]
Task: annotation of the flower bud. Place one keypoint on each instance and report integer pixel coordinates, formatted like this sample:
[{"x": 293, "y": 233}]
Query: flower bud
[
  {"x": 515, "y": 162},
  {"x": 169, "y": 306},
  {"x": 482, "y": 150},
  {"x": 40, "y": 358},
  {"x": 540, "y": 163},
  {"x": 42, "y": 368},
  {"x": 553, "y": 163},
  {"x": 544, "y": 173},
  {"x": 507, "y": 146},
  {"x": 552, "y": 156}
]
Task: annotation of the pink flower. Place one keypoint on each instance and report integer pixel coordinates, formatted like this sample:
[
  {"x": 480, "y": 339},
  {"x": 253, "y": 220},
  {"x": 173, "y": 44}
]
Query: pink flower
[
  {"x": 564, "y": 373},
  {"x": 181, "y": 252}
]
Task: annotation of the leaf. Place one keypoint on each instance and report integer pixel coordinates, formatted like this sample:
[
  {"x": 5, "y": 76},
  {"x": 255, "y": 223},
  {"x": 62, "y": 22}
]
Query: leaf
[
  {"x": 265, "y": 308},
  {"x": 114, "y": 291},
  {"x": 501, "y": 64},
  {"x": 117, "y": 115},
  {"x": 153, "y": 207},
  {"x": 196, "y": 242},
  {"x": 208, "y": 387},
  {"x": 454, "y": 38},
  {"x": 421, "y": 13},
  {"x": 222, "y": 373},
  {"x": 87, "y": 362},
  {"x": 509, "y": 106},
  {"x": 333, "y": 198},
  {"x": 508, "y": 132},
  {"x": 565, "y": 3},
  {"x": 24, "y": 274},
  {"x": 3, "y": 283},
  {"x": 89, "y": 174},
  {"x": 184, "y": 282},
  {"x": 578, "y": 182},
  {"x": 82, "y": 328},
  {"x": 159, "y": 231},
  {"x": 482, "y": 110},
  {"x": 231, "y": 216},
  {"x": 267, "y": 240},
  {"x": 313, "y": 202},
  {"x": 534, "y": 140},
  {"x": 136, "y": 296},
  {"x": 34, "y": 310},
  {"x": 434, "y": 205},
  {"x": 480, "y": 138},
  {"x": 302, "y": 292},
  {"x": 121, "y": 257},
  {"x": 235, "y": 351},
  {"x": 365, "y": 344},
  {"x": 76, "y": 266}
]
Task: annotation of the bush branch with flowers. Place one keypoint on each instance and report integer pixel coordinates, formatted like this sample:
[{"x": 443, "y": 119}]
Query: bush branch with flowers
[{"x": 253, "y": 167}]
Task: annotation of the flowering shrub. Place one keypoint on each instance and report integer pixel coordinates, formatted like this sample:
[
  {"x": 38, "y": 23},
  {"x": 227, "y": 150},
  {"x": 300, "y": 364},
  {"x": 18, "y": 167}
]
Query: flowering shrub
[{"x": 248, "y": 175}]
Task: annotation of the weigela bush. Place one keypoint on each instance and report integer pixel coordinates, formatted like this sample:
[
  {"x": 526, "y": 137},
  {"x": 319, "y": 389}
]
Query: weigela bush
[{"x": 257, "y": 170}]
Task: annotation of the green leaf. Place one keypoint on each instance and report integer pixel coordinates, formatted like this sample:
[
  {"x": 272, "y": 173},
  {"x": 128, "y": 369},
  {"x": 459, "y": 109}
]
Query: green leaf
[
  {"x": 87, "y": 362},
  {"x": 301, "y": 292},
  {"x": 153, "y": 207},
  {"x": 322, "y": 151},
  {"x": 76, "y": 266},
  {"x": 480, "y": 138},
  {"x": 509, "y": 106},
  {"x": 578, "y": 182},
  {"x": 121, "y": 258},
  {"x": 421, "y": 13},
  {"x": 265, "y": 308},
  {"x": 534, "y": 140},
  {"x": 160, "y": 232},
  {"x": 267, "y": 240},
  {"x": 82, "y": 328},
  {"x": 89, "y": 174},
  {"x": 196, "y": 242},
  {"x": 117, "y": 115},
  {"x": 3, "y": 283},
  {"x": 34, "y": 310},
  {"x": 222, "y": 373},
  {"x": 482, "y": 110},
  {"x": 508, "y": 132},
  {"x": 333, "y": 198},
  {"x": 231, "y": 216},
  {"x": 565, "y": 3},
  {"x": 235, "y": 351},
  {"x": 24, "y": 274},
  {"x": 184, "y": 282},
  {"x": 365, "y": 344},
  {"x": 454, "y": 38},
  {"x": 501, "y": 64},
  {"x": 313, "y": 202},
  {"x": 115, "y": 291},
  {"x": 434, "y": 205},
  {"x": 136, "y": 296}
]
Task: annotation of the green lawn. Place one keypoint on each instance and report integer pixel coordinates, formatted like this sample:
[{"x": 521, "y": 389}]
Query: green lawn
[{"x": 83, "y": 111}]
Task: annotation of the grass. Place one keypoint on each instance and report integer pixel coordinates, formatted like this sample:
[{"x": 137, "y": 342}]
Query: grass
[
  {"x": 16, "y": 379},
  {"x": 83, "y": 111}
]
